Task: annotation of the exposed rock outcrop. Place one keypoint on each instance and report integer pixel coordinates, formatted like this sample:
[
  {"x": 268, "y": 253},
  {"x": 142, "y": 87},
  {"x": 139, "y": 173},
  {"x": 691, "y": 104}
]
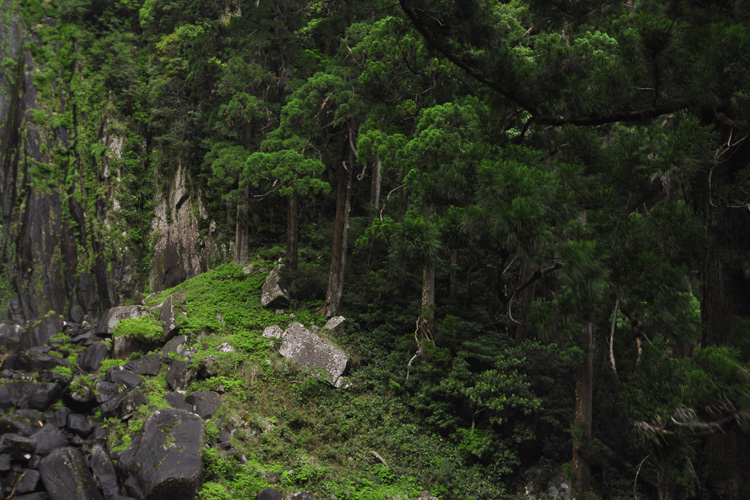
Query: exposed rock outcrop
[{"x": 312, "y": 351}]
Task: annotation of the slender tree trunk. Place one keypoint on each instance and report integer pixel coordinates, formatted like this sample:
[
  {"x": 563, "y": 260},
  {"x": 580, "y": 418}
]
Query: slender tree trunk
[
  {"x": 427, "y": 316},
  {"x": 242, "y": 230},
  {"x": 582, "y": 425},
  {"x": 377, "y": 181},
  {"x": 452, "y": 276},
  {"x": 725, "y": 299},
  {"x": 292, "y": 232},
  {"x": 525, "y": 300},
  {"x": 341, "y": 229}
]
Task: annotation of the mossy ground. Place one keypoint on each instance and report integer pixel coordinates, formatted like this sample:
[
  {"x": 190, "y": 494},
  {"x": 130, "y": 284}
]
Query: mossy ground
[{"x": 361, "y": 442}]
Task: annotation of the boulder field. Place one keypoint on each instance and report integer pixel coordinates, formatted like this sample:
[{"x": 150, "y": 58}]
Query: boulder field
[{"x": 60, "y": 395}]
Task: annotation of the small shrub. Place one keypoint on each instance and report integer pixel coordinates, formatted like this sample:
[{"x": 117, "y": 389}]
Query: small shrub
[{"x": 147, "y": 328}]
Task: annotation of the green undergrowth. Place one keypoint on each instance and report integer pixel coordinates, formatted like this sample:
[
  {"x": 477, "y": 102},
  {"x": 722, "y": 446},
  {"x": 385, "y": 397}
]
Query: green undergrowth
[
  {"x": 362, "y": 442},
  {"x": 146, "y": 328}
]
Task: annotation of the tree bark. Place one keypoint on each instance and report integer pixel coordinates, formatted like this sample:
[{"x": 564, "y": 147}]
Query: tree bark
[
  {"x": 242, "y": 230},
  {"x": 526, "y": 298},
  {"x": 292, "y": 232},
  {"x": 427, "y": 315},
  {"x": 582, "y": 426},
  {"x": 341, "y": 229},
  {"x": 725, "y": 299},
  {"x": 377, "y": 181}
]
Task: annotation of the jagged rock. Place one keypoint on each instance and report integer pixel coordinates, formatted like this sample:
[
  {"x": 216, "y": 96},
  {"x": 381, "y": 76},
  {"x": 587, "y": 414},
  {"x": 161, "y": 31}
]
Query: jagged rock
[
  {"x": 335, "y": 325},
  {"x": 178, "y": 375},
  {"x": 177, "y": 400},
  {"x": 91, "y": 359},
  {"x": 108, "y": 322},
  {"x": 76, "y": 313},
  {"x": 168, "y": 315},
  {"x": 66, "y": 477},
  {"x": 104, "y": 471},
  {"x": 147, "y": 365},
  {"x": 47, "y": 439},
  {"x": 270, "y": 494},
  {"x": 118, "y": 375},
  {"x": 15, "y": 310},
  {"x": 204, "y": 404},
  {"x": 166, "y": 458},
  {"x": 10, "y": 336},
  {"x": 124, "y": 404},
  {"x": 175, "y": 345},
  {"x": 273, "y": 332},
  {"x": 105, "y": 390},
  {"x": 29, "y": 481},
  {"x": 125, "y": 345},
  {"x": 16, "y": 446},
  {"x": 312, "y": 351},
  {"x": 28, "y": 394},
  {"x": 275, "y": 291},
  {"x": 4, "y": 462},
  {"x": 34, "y": 361},
  {"x": 87, "y": 295},
  {"x": 60, "y": 417},
  {"x": 80, "y": 425},
  {"x": 17, "y": 424},
  {"x": 83, "y": 336},
  {"x": 41, "y": 332}
]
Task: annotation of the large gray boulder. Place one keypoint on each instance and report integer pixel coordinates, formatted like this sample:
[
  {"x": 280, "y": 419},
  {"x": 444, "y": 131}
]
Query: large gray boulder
[
  {"x": 275, "y": 291},
  {"x": 312, "y": 351},
  {"x": 165, "y": 459},
  {"x": 108, "y": 321}
]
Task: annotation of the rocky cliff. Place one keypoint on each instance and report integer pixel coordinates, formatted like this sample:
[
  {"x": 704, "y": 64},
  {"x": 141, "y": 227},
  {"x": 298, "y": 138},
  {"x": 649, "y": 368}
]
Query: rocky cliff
[{"x": 76, "y": 234}]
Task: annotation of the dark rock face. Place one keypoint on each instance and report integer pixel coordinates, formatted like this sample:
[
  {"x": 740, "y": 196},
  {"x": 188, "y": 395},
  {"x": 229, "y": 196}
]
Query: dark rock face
[
  {"x": 204, "y": 404},
  {"x": 147, "y": 365},
  {"x": 47, "y": 439},
  {"x": 119, "y": 376},
  {"x": 166, "y": 460},
  {"x": 40, "y": 334},
  {"x": 275, "y": 290},
  {"x": 178, "y": 376},
  {"x": 16, "y": 446},
  {"x": 270, "y": 494},
  {"x": 10, "y": 335},
  {"x": 104, "y": 471},
  {"x": 91, "y": 359},
  {"x": 66, "y": 477},
  {"x": 28, "y": 394}
]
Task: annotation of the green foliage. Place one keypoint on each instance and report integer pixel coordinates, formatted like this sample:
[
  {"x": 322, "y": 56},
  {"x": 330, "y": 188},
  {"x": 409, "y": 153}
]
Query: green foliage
[{"x": 147, "y": 328}]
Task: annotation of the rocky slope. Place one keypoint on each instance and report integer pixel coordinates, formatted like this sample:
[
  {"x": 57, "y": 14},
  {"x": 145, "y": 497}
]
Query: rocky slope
[{"x": 107, "y": 410}]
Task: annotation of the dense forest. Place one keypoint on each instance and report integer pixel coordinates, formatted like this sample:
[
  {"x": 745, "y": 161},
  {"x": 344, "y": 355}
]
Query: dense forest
[{"x": 535, "y": 216}]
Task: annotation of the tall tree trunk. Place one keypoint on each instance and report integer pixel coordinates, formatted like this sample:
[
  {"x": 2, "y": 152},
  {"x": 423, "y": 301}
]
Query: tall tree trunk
[
  {"x": 377, "y": 181},
  {"x": 582, "y": 424},
  {"x": 242, "y": 230},
  {"x": 292, "y": 232},
  {"x": 341, "y": 229},
  {"x": 427, "y": 316},
  {"x": 452, "y": 279},
  {"x": 526, "y": 298},
  {"x": 725, "y": 299}
]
